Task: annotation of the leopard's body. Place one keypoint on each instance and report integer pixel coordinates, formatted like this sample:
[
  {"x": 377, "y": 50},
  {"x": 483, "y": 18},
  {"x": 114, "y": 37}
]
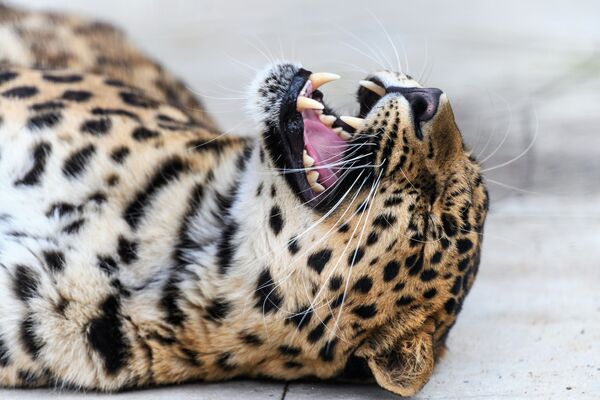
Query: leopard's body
[{"x": 139, "y": 246}]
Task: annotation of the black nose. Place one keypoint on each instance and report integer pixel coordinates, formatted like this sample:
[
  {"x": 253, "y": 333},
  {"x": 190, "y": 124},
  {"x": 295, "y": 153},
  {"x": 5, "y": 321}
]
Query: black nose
[{"x": 423, "y": 101}]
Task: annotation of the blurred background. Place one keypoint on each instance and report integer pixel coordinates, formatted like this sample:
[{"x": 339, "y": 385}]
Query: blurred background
[{"x": 524, "y": 82}]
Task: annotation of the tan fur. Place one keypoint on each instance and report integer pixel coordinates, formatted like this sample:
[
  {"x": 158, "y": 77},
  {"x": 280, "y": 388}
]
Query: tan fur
[{"x": 188, "y": 320}]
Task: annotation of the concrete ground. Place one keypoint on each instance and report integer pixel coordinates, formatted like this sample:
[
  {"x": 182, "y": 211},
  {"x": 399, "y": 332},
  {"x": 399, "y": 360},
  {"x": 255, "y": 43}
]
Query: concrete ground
[{"x": 524, "y": 79}]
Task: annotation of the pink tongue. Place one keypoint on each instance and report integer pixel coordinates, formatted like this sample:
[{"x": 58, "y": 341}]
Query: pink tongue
[{"x": 325, "y": 147}]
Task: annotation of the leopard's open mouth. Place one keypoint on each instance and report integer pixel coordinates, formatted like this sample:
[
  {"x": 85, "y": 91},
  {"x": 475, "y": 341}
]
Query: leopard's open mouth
[{"x": 322, "y": 148}]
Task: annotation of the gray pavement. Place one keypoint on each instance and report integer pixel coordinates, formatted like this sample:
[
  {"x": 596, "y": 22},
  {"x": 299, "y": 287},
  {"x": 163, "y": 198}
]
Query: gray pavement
[{"x": 524, "y": 79}]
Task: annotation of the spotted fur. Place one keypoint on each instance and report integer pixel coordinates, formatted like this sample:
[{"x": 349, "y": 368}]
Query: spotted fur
[{"x": 138, "y": 246}]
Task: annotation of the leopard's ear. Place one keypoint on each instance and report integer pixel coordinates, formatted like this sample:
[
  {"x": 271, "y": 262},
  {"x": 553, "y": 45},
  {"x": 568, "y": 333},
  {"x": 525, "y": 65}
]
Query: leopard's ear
[{"x": 405, "y": 367}]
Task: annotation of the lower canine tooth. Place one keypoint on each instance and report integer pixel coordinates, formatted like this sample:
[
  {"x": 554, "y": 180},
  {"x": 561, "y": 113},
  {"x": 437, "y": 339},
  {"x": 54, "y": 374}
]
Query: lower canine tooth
[
  {"x": 308, "y": 160},
  {"x": 312, "y": 177},
  {"x": 342, "y": 133},
  {"x": 304, "y": 103},
  {"x": 327, "y": 120},
  {"x": 317, "y": 187},
  {"x": 354, "y": 122},
  {"x": 345, "y": 135}
]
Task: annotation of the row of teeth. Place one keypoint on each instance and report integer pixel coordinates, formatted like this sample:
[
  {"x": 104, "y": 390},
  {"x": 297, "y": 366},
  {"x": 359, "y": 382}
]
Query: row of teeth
[
  {"x": 306, "y": 103},
  {"x": 311, "y": 176}
]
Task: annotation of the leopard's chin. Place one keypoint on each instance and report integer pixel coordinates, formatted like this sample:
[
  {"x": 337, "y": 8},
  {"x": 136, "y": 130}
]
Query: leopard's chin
[{"x": 323, "y": 153}]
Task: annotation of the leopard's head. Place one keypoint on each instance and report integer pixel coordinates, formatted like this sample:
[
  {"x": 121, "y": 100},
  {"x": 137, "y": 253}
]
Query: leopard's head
[{"x": 399, "y": 206}]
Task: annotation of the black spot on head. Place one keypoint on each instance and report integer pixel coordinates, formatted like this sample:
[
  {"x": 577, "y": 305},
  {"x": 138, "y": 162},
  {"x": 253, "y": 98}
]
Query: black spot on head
[
  {"x": 289, "y": 350},
  {"x": 107, "y": 264},
  {"x": 430, "y": 294},
  {"x": 384, "y": 221},
  {"x": 138, "y": 100},
  {"x": 96, "y": 127},
  {"x": 166, "y": 173},
  {"x": 76, "y": 95},
  {"x": 450, "y": 305},
  {"x": 372, "y": 238},
  {"x": 363, "y": 285},
  {"x": 45, "y": 120},
  {"x": 275, "y": 220},
  {"x": 392, "y": 201},
  {"x": 55, "y": 260},
  {"x": 127, "y": 250},
  {"x": 40, "y": 155},
  {"x": 32, "y": 344},
  {"x": 273, "y": 191},
  {"x": 140, "y": 134},
  {"x": 251, "y": 339},
  {"x": 335, "y": 283},
  {"x": 327, "y": 352},
  {"x": 449, "y": 225},
  {"x": 464, "y": 264},
  {"x": 25, "y": 283},
  {"x": 119, "y": 154},
  {"x": 365, "y": 311},
  {"x": 105, "y": 335},
  {"x": 436, "y": 258},
  {"x": 445, "y": 243},
  {"x": 20, "y": 92},
  {"x": 456, "y": 286},
  {"x": 267, "y": 295},
  {"x": 77, "y": 162},
  {"x": 463, "y": 245},
  {"x": 344, "y": 228},
  {"x": 355, "y": 257},
  {"x": 318, "y": 260},
  {"x": 62, "y": 78},
  {"x": 218, "y": 309},
  {"x": 428, "y": 275},
  {"x": 390, "y": 271},
  {"x": 259, "y": 189}
]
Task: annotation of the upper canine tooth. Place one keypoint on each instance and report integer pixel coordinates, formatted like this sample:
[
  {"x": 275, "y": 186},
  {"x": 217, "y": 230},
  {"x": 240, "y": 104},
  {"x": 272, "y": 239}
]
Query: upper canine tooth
[
  {"x": 327, "y": 120},
  {"x": 312, "y": 176},
  {"x": 307, "y": 160},
  {"x": 304, "y": 103},
  {"x": 321, "y": 78},
  {"x": 317, "y": 187},
  {"x": 373, "y": 87},
  {"x": 354, "y": 122}
]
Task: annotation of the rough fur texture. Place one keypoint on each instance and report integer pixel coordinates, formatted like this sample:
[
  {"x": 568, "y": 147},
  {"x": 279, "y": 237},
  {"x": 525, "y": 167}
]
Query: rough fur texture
[{"x": 140, "y": 247}]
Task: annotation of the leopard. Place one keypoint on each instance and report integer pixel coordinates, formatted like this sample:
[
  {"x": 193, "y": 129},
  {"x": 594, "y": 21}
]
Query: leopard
[{"x": 142, "y": 245}]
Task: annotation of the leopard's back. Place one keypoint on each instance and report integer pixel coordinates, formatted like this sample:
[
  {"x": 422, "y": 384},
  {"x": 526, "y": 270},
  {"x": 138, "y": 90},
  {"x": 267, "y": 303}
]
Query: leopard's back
[{"x": 58, "y": 41}]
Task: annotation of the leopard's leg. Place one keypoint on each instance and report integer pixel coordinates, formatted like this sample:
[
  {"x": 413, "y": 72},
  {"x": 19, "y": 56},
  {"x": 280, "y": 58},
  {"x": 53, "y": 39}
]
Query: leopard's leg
[{"x": 64, "y": 326}]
